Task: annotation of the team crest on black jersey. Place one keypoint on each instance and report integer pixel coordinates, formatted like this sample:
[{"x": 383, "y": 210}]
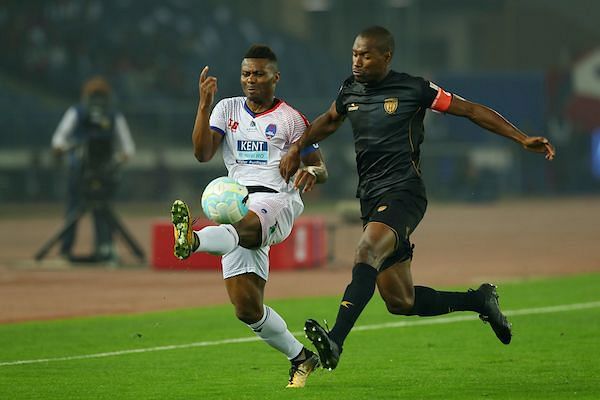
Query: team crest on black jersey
[{"x": 390, "y": 105}]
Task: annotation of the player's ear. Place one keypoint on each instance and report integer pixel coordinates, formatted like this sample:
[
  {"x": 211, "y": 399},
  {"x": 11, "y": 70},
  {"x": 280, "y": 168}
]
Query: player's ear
[
  {"x": 277, "y": 75},
  {"x": 388, "y": 56}
]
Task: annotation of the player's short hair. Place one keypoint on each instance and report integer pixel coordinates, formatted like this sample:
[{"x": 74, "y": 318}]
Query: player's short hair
[
  {"x": 261, "y": 51},
  {"x": 264, "y": 52},
  {"x": 383, "y": 38}
]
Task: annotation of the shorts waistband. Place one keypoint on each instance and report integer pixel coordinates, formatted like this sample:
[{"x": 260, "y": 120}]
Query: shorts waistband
[{"x": 264, "y": 189}]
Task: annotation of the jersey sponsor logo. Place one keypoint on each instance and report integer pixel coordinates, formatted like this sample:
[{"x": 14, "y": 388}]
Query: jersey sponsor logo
[
  {"x": 252, "y": 152},
  {"x": 271, "y": 130},
  {"x": 233, "y": 125},
  {"x": 252, "y": 145},
  {"x": 352, "y": 107},
  {"x": 390, "y": 105}
]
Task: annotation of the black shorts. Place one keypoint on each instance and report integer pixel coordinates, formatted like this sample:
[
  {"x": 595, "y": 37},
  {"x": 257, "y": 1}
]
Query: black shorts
[{"x": 401, "y": 211}]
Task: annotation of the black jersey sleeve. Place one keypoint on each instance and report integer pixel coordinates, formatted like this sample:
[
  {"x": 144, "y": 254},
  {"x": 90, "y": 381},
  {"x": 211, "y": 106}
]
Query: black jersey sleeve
[
  {"x": 339, "y": 104},
  {"x": 434, "y": 97},
  {"x": 339, "y": 101},
  {"x": 428, "y": 93}
]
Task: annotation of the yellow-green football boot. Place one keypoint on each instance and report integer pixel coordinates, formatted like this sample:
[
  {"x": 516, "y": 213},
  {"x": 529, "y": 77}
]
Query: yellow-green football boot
[
  {"x": 182, "y": 230},
  {"x": 299, "y": 372}
]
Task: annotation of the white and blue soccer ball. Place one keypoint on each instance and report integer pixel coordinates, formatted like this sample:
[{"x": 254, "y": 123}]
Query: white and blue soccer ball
[{"x": 224, "y": 201}]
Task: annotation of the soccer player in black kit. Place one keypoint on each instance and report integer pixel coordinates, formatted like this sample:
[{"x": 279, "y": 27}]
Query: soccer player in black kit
[{"x": 386, "y": 110}]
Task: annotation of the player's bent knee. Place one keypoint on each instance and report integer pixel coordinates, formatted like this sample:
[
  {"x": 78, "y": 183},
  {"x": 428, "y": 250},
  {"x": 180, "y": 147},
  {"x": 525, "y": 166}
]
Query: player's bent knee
[
  {"x": 367, "y": 254},
  {"x": 400, "y": 305}
]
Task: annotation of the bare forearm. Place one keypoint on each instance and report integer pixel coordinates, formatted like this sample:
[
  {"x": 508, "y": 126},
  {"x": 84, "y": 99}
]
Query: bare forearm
[
  {"x": 489, "y": 119},
  {"x": 321, "y": 128},
  {"x": 494, "y": 122},
  {"x": 202, "y": 137}
]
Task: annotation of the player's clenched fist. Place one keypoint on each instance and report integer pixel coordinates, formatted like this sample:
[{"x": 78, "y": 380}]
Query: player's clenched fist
[{"x": 208, "y": 88}]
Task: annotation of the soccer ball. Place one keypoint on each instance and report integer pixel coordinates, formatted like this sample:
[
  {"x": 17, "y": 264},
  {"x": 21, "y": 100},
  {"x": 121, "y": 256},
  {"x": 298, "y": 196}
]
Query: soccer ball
[{"x": 224, "y": 201}]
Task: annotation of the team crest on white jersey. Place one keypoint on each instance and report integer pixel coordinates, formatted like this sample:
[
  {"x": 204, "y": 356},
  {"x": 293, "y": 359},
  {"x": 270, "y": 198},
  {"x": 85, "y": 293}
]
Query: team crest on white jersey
[{"x": 270, "y": 131}]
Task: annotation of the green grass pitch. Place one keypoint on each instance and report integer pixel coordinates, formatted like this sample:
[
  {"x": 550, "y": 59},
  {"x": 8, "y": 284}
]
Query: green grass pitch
[{"x": 555, "y": 353}]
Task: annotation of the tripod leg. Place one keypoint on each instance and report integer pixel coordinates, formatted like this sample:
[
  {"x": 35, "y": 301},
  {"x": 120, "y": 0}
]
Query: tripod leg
[
  {"x": 118, "y": 227},
  {"x": 70, "y": 222}
]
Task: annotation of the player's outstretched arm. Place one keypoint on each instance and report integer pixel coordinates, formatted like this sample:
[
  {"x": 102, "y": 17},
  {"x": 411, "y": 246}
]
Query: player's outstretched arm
[
  {"x": 205, "y": 140},
  {"x": 494, "y": 122},
  {"x": 323, "y": 126}
]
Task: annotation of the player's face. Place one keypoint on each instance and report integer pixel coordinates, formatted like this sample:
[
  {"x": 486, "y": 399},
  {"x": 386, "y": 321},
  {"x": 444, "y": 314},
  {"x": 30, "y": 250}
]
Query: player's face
[
  {"x": 369, "y": 64},
  {"x": 259, "y": 78}
]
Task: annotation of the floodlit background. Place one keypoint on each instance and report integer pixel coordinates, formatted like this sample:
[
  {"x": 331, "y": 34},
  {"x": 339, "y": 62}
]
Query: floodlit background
[{"x": 535, "y": 61}]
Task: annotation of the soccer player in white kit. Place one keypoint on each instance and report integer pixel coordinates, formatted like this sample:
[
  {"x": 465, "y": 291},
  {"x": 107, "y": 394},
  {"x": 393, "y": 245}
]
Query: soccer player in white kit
[{"x": 255, "y": 131}]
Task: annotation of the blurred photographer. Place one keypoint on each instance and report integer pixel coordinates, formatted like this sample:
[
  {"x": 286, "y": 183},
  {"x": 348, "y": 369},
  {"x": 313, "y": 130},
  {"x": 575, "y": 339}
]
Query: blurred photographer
[{"x": 96, "y": 140}]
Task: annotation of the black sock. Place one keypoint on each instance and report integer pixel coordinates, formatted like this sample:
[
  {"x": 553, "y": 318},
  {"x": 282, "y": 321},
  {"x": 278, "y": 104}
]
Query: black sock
[
  {"x": 430, "y": 302},
  {"x": 357, "y": 295}
]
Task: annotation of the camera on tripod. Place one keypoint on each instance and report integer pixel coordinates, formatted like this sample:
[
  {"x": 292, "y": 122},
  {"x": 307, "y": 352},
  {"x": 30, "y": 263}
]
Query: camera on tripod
[{"x": 98, "y": 174}]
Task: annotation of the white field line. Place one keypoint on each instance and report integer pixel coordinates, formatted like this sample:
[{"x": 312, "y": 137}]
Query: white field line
[{"x": 399, "y": 324}]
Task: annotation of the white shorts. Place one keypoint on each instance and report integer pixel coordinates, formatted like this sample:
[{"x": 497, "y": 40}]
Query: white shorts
[{"x": 277, "y": 213}]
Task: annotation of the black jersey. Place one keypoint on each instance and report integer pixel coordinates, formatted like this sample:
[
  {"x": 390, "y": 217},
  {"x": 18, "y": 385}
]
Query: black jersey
[{"x": 387, "y": 122}]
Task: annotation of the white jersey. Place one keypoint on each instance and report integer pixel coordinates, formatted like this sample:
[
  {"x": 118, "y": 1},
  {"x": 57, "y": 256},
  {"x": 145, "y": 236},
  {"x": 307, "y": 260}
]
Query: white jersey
[{"x": 253, "y": 144}]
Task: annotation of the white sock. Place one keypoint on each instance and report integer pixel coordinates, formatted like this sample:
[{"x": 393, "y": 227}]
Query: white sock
[
  {"x": 272, "y": 329},
  {"x": 217, "y": 240}
]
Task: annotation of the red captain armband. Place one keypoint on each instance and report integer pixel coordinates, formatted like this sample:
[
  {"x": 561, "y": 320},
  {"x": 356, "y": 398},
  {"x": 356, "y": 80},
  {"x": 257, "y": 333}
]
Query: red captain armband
[{"x": 442, "y": 101}]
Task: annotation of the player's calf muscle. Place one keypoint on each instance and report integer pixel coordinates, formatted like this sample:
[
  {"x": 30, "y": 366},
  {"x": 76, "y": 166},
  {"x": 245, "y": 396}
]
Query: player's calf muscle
[{"x": 399, "y": 305}]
